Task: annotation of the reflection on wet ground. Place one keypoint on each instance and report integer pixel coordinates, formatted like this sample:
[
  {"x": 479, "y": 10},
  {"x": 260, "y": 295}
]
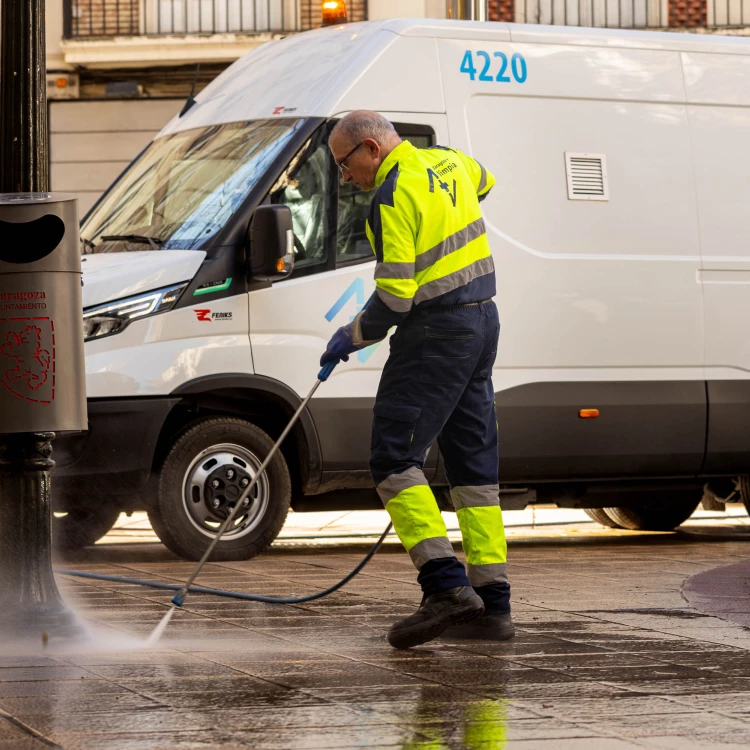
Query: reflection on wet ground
[{"x": 609, "y": 654}]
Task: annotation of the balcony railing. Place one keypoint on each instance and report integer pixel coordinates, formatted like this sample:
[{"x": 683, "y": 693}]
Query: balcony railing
[
  {"x": 106, "y": 18},
  {"x": 626, "y": 14}
]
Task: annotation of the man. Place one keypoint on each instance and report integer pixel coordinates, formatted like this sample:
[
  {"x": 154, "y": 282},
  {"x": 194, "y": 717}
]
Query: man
[{"x": 434, "y": 281}]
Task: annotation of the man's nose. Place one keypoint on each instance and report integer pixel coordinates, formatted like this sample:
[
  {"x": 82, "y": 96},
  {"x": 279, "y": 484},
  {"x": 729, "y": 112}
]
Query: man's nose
[{"x": 346, "y": 175}]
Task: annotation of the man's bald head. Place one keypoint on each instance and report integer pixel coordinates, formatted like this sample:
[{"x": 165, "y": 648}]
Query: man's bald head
[
  {"x": 361, "y": 124},
  {"x": 361, "y": 141}
]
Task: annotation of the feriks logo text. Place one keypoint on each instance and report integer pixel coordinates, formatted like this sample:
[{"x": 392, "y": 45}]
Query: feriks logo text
[{"x": 207, "y": 316}]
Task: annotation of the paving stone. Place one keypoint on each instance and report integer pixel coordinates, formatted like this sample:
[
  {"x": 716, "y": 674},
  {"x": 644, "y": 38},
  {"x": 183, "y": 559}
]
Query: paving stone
[
  {"x": 167, "y": 719},
  {"x": 210, "y": 700},
  {"x": 26, "y": 706},
  {"x": 579, "y": 743},
  {"x": 43, "y": 674},
  {"x": 723, "y": 702},
  {"x": 261, "y": 739},
  {"x": 693, "y": 743},
  {"x": 173, "y": 671},
  {"x": 10, "y": 731},
  {"x": 704, "y": 723},
  {"x": 619, "y": 705},
  {"x": 57, "y": 687}
]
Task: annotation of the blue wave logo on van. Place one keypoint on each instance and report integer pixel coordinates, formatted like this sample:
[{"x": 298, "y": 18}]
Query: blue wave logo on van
[{"x": 355, "y": 290}]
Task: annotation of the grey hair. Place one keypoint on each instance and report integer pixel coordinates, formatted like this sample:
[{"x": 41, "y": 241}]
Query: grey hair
[{"x": 361, "y": 124}]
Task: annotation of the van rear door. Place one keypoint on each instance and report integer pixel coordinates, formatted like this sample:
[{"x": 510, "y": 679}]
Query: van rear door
[{"x": 719, "y": 112}]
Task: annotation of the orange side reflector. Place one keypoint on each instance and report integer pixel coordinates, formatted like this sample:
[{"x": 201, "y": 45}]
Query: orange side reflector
[
  {"x": 280, "y": 265},
  {"x": 588, "y": 413},
  {"x": 61, "y": 83}
]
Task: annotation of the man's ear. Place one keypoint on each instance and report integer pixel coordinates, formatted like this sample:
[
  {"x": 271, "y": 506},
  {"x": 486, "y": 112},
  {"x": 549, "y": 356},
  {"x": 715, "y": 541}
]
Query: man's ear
[
  {"x": 30, "y": 241},
  {"x": 373, "y": 145}
]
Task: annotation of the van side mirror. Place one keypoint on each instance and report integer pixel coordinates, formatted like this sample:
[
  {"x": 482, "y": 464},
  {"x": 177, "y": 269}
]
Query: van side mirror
[{"x": 271, "y": 243}]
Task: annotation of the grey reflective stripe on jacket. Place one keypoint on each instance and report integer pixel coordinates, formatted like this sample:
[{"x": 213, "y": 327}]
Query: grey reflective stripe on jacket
[
  {"x": 482, "y": 179},
  {"x": 454, "y": 280},
  {"x": 450, "y": 244},
  {"x": 394, "y": 271}
]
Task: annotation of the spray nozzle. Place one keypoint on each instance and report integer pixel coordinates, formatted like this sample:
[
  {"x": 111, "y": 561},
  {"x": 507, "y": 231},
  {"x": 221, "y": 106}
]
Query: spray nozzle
[{"x": 179, "y": 599}]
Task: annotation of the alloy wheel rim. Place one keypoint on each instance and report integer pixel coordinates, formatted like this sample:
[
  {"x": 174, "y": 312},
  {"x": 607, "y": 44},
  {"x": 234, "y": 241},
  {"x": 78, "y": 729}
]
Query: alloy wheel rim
[{"x": 213, "y": 482}]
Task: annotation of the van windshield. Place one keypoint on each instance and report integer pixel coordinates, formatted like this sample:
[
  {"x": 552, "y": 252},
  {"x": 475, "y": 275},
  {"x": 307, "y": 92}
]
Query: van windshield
[{"x": 184, "y": 187}]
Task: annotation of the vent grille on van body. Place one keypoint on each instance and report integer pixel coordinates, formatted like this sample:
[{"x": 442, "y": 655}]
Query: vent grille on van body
[{"x": 587, "y": 177}]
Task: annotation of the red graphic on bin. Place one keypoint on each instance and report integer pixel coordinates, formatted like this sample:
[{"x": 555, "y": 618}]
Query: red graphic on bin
[{"x": 27, "y": 358}]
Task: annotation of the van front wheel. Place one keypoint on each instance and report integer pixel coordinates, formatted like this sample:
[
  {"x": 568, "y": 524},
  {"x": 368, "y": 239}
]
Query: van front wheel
[{"x": 206, "y": 471}]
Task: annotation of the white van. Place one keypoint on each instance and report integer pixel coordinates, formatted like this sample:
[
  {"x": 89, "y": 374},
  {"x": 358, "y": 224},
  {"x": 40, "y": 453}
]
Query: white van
[{"x": 621, "y": 235}]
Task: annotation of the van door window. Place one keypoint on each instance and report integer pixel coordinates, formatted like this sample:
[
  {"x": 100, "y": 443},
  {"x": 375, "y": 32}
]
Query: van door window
[
  {"x": 352, "y": 245},
  {"x": 306, "y": 187}
]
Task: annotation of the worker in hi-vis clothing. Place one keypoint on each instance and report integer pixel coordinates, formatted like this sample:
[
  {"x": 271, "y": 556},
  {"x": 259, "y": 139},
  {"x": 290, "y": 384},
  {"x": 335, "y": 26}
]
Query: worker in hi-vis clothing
[{"x": 434, "y": 280}]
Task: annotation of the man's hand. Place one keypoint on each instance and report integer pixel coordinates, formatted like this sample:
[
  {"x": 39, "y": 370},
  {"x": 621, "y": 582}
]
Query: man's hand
[{"x": 340, "y": 346}]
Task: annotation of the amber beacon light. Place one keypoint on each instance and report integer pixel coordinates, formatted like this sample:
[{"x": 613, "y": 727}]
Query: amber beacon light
[
  {"x": 334, "y": 11},
  {"x": 588, "y": 413}
]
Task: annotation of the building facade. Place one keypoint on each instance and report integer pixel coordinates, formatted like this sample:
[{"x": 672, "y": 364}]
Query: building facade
[{"x": 118, "y": 70}]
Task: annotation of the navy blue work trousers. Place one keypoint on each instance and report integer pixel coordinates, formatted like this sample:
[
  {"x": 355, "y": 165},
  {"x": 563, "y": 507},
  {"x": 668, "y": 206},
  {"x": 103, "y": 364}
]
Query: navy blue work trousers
[{"x": 437, "y": 384}]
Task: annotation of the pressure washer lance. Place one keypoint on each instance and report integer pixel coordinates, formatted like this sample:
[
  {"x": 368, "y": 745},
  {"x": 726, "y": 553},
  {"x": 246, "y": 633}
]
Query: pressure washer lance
[{"x": 179, "y": 599}]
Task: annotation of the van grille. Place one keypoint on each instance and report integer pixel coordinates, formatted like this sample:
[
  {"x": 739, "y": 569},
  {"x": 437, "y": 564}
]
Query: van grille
[{"x": 587, "y": 177}]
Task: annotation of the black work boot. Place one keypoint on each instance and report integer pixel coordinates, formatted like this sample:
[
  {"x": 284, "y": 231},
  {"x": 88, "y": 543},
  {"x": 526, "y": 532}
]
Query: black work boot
[
  {"x": 435, "y": 614},
  {"x": 485, "y": 628}
]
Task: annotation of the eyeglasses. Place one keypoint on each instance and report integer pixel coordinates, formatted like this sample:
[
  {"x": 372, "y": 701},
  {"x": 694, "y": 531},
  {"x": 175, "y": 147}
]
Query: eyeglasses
[{"x": 340, "y": 164}]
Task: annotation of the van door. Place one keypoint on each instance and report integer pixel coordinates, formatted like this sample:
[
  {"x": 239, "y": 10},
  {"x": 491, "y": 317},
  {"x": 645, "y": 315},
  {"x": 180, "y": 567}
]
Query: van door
[
  {"x": 719, "y": 113},
  {"x": 292, "y": 321}
]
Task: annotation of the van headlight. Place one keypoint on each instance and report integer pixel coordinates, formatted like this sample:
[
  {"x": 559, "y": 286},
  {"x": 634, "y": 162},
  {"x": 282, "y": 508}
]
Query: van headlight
[{"x": 113, "y": 317}]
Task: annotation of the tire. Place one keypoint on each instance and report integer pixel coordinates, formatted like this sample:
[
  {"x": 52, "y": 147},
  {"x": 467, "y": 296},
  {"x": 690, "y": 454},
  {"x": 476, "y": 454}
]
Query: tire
[
  {"x": 189, "y": 508},
  {"x": 82, "y": 527},
  {"x": 743, "y": 485},
  {"x": 601, "y": 516},
  {"x": 640, "y": 518}
]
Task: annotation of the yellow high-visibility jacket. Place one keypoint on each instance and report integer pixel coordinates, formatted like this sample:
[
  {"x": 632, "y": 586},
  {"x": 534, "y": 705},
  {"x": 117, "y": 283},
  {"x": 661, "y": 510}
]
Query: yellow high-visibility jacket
[{"x": 428, "y": 235}]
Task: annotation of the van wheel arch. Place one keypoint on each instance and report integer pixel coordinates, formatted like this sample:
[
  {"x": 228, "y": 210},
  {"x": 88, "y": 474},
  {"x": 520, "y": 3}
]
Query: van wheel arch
[{"x": 264, "y": 402}]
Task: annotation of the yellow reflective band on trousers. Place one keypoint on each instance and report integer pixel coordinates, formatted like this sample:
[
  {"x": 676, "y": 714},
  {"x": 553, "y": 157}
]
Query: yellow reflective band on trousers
[
  {"x": 483, "y": 534},
  {"x": 416, "y": 516}
]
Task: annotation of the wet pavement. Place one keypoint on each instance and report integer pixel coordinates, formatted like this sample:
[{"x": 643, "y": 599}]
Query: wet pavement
[{"x": 609, "y": 654}]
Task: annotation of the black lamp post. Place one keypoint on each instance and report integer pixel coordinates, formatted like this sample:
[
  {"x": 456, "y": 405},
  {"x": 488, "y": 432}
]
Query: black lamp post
[
  {"x": 30, "y": 603},
  {"x": 24, "y": 139}
]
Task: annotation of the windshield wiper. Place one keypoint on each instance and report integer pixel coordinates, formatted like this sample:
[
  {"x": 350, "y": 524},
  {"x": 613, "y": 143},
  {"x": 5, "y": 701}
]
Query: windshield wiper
[
  {"x": 142, "y": 238},
  {"x": 87, "y": 244}
]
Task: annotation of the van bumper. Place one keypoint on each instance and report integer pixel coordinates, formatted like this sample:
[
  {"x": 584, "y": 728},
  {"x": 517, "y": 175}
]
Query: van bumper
[{"x": 115, "y": 455}]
